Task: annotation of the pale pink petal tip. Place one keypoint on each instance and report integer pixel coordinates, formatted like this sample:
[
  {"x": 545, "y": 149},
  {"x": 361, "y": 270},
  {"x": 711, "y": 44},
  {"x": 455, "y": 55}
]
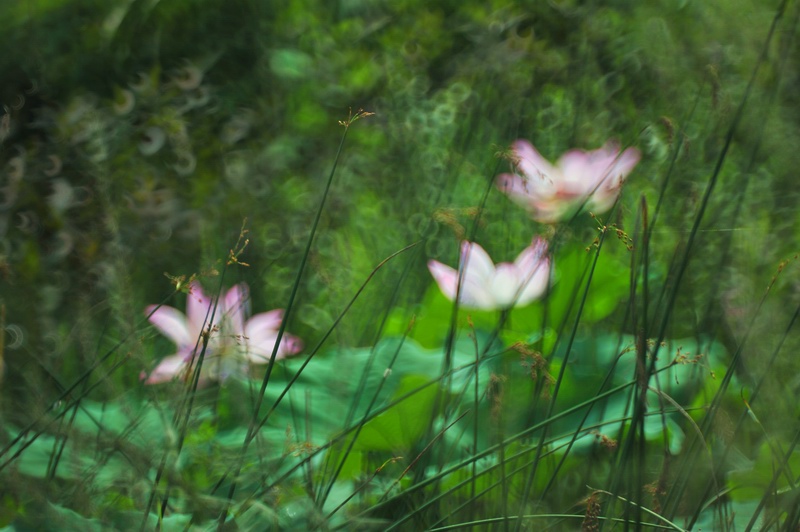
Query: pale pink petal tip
[
  {"x": 446, "y": 277},
  {"x": 171, "y": 323},
  {"x": 291, "y": 345},
  {"x": 169, "y": 368}
]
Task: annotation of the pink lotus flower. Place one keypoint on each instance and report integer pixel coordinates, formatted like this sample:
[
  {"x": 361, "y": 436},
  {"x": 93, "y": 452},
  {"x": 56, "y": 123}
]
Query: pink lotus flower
[
  {"x": 591, "y": 180},
  {"x": 233, "y": 343},
  {"x": 489, "y": 287}
]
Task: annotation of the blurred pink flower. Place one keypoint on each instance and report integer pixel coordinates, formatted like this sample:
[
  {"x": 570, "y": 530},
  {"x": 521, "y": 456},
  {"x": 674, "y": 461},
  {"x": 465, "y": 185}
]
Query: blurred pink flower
[
  {"x": 233, "y": 344},
  {"x": 489, "y": 287},
  {"x": 591, "y": 180}
]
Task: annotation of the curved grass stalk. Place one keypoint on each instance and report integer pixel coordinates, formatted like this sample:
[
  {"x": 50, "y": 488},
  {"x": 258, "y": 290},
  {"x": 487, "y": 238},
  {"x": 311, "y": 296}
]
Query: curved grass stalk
[
  {"x": 784, "y": 54},
  {"x": 534, "y": 517},
  {"x": 558, "y": 449},
  {"x": 562, "y": 370},
  {"x": 66, "y": 393},
  {"x": 254, "y": 424},
  {"x": 648, "y": 511},
  {"x": 492, "y": 449},
  {"x": 185, "y": 408},
  {"x": 338, "y": 468}
]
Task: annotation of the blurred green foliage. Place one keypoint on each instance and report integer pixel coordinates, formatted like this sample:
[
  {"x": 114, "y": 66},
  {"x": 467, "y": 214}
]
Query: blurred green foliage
[{"x": 137, "y": 136}]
